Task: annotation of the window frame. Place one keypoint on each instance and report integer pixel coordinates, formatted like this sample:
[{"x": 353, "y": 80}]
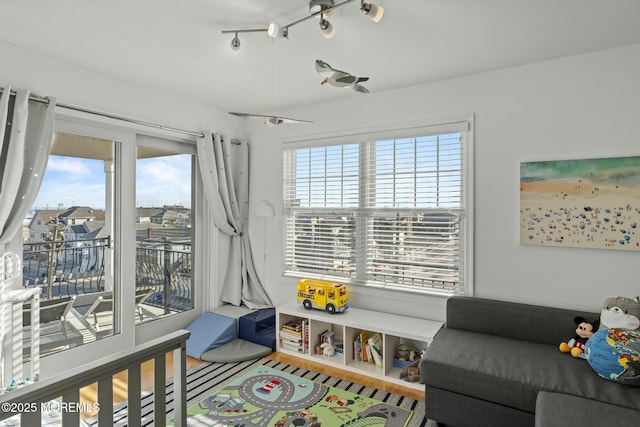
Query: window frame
[
  {"x": 175, "y": 148},
  {"x": 463, "y": 123}
]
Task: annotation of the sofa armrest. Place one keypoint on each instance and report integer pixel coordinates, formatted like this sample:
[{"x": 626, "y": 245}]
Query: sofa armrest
[
  {"x": 545, "y": 325},
  {"x": 563, "y": 410}
]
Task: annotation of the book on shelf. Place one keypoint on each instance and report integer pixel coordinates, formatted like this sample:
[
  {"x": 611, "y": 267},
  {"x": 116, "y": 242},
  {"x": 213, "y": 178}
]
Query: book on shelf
[
  {"x": 367, "y": 347},
  {"x": 364, "y": 337},
  {"x": 290, "y": 336},
  {"x": 375, "y": 346},
  {"x": 326, "y": 337},
  {"x": 293, "y": 325},
  {"x": 292, "y": 346},
  {"x": 305, "y": 335},
  {"x": 294, "y": 335}
]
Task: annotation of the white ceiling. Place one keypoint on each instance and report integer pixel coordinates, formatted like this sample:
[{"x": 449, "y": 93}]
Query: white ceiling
[{"x": 177, "y": 45}]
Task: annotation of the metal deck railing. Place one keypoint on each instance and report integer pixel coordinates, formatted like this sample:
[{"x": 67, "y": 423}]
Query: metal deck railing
[
  {"x": 77, "y": 269},
  {"x": 67, "y": 268}
]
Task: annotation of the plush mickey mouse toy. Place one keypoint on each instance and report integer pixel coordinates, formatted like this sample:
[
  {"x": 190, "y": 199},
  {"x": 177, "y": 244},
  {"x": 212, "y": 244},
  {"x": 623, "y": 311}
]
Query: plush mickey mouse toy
[{"x": 584, "y": 331}]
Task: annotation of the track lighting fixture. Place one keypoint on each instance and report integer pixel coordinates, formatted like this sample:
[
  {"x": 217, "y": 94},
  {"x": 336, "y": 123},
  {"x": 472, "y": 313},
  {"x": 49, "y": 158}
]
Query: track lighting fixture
[
  {"x": 319, "y": 8},
  {"x": 373, "y": 11}
]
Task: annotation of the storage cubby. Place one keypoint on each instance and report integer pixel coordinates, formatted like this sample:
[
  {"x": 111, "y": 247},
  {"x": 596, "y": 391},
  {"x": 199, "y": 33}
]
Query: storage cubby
[
  {"x": 355, "y": 359},
  {"x": 346, "y": 327},
  {"x": 329, "y": 330},
  {"x": 392, "y": 342},
  {"x": 287, "y": 335}
]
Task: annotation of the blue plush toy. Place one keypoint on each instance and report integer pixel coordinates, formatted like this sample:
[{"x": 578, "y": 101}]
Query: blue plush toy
[
  {"x": 615, "y": 355},
  {"x": 614, "y": 351}
]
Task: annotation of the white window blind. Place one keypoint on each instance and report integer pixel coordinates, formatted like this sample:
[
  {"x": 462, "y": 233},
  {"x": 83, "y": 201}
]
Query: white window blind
[
  {"x": 414, "y": 212},
  {"x": 321, "y": 197},
  {"x": 384, "y": 212}
]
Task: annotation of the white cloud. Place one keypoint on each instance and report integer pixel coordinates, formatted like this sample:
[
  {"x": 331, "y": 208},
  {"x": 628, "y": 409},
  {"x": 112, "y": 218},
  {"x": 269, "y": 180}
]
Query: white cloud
[{"x": 68, "y": 165}]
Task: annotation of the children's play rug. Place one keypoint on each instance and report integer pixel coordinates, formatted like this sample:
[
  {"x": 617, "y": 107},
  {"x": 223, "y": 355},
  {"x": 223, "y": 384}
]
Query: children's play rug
[{"x": 270, "y": 397}]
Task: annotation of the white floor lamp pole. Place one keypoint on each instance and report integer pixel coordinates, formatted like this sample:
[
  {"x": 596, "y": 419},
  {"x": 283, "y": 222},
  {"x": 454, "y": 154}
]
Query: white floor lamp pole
[{"x": 264, "y": 210}]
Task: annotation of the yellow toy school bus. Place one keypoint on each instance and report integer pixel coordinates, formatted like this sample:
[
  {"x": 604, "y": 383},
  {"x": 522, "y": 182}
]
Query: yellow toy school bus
[{"x": 323, "y": 295}]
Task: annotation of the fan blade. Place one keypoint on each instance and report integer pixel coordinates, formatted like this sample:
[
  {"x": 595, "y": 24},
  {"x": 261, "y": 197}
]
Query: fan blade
[
  {"x": 286, "y": 120},
  {"x": 274, "y": 120}
]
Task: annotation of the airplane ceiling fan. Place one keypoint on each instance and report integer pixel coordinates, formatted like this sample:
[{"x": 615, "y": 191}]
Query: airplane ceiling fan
[{"x": 270, "y": 120}]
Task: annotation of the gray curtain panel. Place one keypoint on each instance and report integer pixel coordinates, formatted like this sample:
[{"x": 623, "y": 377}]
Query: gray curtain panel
[
  {"x": 24, "y": 152},
  {"x": 225, "y": 174},
  {"x": 26, "y": 131}
]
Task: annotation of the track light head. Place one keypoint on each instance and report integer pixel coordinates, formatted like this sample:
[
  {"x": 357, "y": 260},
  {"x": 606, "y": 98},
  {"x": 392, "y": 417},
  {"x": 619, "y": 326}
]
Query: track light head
[
  {"x": 275, "y": 31},
  {"x": 373, "y": 11},
  {"x": 235, "y": 43},
  {"x": 328, "y": 30}
]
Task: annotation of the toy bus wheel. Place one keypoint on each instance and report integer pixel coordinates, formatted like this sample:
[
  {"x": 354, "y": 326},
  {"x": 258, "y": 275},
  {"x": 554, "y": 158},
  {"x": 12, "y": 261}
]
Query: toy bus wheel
[
  {"x": 307, "y": 304},
  {"x": 331, "y": 308}
]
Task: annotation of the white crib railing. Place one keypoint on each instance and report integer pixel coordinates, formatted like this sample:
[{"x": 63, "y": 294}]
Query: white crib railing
[{"x": 30, "y": 400}]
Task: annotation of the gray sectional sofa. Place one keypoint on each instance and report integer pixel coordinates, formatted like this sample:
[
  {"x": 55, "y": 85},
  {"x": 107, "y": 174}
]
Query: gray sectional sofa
[{"x": 497, "y": 363}]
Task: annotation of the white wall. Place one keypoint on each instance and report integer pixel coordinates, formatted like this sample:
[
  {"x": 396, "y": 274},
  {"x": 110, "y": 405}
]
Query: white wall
[
  {"x": 75, "y": 85},
  {"x": 577, "y": 107}
]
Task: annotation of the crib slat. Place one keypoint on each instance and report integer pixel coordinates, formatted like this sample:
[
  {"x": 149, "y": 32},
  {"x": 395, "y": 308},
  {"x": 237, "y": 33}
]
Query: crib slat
[
  {"x": 71, "y": 419},
  {"x": 134, "y": 397},
  {"x": 160, "y": 383},
  {"x": 105, "y": 399},
  {"x": 180, "y": 386}
]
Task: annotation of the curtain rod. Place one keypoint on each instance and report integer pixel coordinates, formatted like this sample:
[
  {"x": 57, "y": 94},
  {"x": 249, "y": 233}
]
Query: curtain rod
[{"x": 116, "y": 117}]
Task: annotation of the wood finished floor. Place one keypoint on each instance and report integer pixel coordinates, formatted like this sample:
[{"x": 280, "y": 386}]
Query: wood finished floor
[
  {"x": 89, "y": 393},
  {"x": 348, "y": 376}
]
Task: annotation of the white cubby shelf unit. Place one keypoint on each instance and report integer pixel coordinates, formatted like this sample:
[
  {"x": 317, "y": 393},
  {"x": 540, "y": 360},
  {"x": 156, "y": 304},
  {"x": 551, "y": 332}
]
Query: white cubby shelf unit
[{"x": 346, "y": 327}]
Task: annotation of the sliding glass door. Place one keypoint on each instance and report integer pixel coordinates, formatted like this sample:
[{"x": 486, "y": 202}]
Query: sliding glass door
[
  {"x": 164, "y": 229},
  {"x": 109, "y": 241}
]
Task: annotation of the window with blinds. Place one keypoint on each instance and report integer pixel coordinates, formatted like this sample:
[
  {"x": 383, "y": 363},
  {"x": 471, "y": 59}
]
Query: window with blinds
[
  {"x": 386, "y": 212},
  {"x": 321, "y": 199}
]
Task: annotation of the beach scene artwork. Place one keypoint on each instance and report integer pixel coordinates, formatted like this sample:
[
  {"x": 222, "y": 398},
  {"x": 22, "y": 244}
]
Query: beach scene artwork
[{"x": 589, "y": 203}]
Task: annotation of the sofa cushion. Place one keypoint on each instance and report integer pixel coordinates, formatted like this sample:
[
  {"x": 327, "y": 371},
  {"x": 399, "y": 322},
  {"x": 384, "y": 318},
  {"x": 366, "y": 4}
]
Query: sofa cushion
[
  {"x": 511, "y": 372},
  {"x": 545, "y": 325}
]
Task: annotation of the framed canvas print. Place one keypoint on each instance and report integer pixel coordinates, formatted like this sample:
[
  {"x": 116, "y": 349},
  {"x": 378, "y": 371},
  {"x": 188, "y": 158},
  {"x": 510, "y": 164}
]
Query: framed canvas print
[{"x": 588, "y": 203}]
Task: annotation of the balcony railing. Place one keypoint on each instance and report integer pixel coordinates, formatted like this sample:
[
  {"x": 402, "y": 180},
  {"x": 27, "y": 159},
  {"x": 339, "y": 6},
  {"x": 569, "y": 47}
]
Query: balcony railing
[
  {"x": 65, "y": 267},
  {"x": 68, "y": 268},
  {"x": 165, "y": 268}
]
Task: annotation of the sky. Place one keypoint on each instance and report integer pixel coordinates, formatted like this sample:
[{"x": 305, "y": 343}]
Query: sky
[{"x": 73, "y": 181}]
